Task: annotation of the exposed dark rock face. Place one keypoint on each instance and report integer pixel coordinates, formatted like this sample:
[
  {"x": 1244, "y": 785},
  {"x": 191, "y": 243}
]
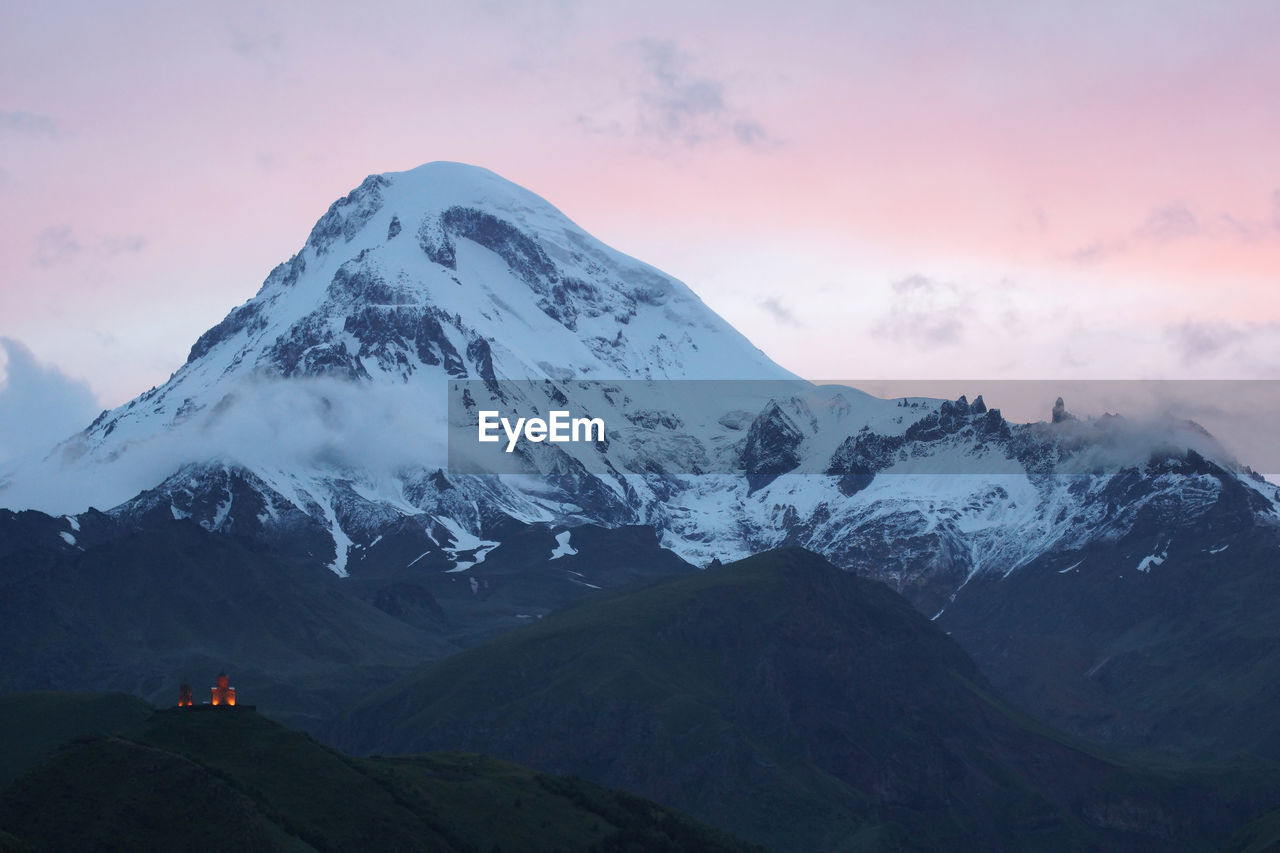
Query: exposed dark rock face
[
  {"x": 772, "y": 442},
  {"x": 562, "y": 298},
  {"x": 247, "y": 317},
  {"x": 1060, "y": 413},
  {"x": 347, "y": 216},
  {"x": 400, "y": 339}
]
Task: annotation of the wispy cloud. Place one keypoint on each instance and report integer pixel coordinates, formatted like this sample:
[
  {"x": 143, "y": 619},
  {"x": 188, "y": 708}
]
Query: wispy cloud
[
  {"x": 59, "y": 244},
  {"x": 1197, "y": 340},
  {"x": 1251, "y": 346},
  {"x": 260, "y": 41},
  {"x": 56, "y": 244},
  {"x": 670, "y": 99},
  {"x": 774, "y": 307},
  {"x": 1240, "y": 228},
  {"x": 1168, "y": 223},
  {"x": 1171, "y": 222},
  {"x": 30, "y": 124},
  {"x": 122, "y": 244},
  {"x": 1097, "y": 251},
  {"x": 925, "y": 311}
]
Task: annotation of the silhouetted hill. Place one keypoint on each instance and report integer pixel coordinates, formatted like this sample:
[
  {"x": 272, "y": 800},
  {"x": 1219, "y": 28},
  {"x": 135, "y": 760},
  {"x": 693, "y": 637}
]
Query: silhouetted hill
[
  {"x": 217, "y": 779},
  {"x": 36, "y": 724},
  {"x": 1182, "y": 656},
  {"x": 799, "y": 706},
  {"x": 141, "y": 610}
]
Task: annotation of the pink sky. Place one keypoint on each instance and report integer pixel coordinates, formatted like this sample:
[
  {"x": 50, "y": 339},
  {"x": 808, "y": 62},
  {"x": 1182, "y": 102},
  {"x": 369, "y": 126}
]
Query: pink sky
[{"x": 865, "y": 190}]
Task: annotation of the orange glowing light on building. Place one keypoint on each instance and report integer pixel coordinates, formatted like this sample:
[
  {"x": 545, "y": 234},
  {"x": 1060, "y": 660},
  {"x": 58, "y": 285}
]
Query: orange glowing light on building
[
  {"x": 223, "y": 693},
  {"x": 184, "y": 696}
]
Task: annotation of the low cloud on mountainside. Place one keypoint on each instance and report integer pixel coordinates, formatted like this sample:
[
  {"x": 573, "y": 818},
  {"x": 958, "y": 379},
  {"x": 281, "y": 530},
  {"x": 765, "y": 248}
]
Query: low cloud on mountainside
[
  {"x": 270, "y": 424},
  {"x": 39, "y": 404}
]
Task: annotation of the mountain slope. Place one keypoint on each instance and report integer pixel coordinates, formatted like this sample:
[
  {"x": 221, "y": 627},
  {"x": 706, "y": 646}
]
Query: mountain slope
[
  {"x": 313, "y": 422},
  {"x": 797, "y": 705},
  {"x": 36, "y": 724},
  {"x": 1143, "y": 641},
  {"x": 314, "y": 416},
  {"x": 206, "y": 779},
  {"x": 415, "y": 278},
  {"x": 108, "y": 605},
  {"x": 143, "y": 609}
]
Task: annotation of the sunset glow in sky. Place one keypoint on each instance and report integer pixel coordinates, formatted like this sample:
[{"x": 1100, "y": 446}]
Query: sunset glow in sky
[{"x": 918, "y": 189}]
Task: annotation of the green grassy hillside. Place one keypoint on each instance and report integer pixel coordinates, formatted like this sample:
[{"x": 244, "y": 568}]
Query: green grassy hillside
[
  {"x": 219, "y": 778},
  {"x": 1182, "y": 658},
  {"x": 36, "y": 724},
  {"x": 144, "y": 610},
  {"x": 798, "y": 706}
]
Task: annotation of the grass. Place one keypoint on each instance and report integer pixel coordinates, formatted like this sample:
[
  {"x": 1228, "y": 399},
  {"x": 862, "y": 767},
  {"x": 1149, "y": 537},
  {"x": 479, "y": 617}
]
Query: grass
[
  {"x": 799, "y": 706},
  {"x": 37, "y": 723},
  {"x": 179, "y": 777}
]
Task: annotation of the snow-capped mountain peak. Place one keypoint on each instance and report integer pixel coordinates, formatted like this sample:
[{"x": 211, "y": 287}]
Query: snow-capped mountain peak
[
  {"x": 415, "y": 278},
  {"x": 315, "y": 413}
]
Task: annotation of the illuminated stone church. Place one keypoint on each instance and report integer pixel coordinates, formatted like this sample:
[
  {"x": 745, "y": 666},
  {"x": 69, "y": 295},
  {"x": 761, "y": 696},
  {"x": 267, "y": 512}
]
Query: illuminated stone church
[
  {"x": 223, "y": 692},
  {"x": 221, "y": 695}
]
